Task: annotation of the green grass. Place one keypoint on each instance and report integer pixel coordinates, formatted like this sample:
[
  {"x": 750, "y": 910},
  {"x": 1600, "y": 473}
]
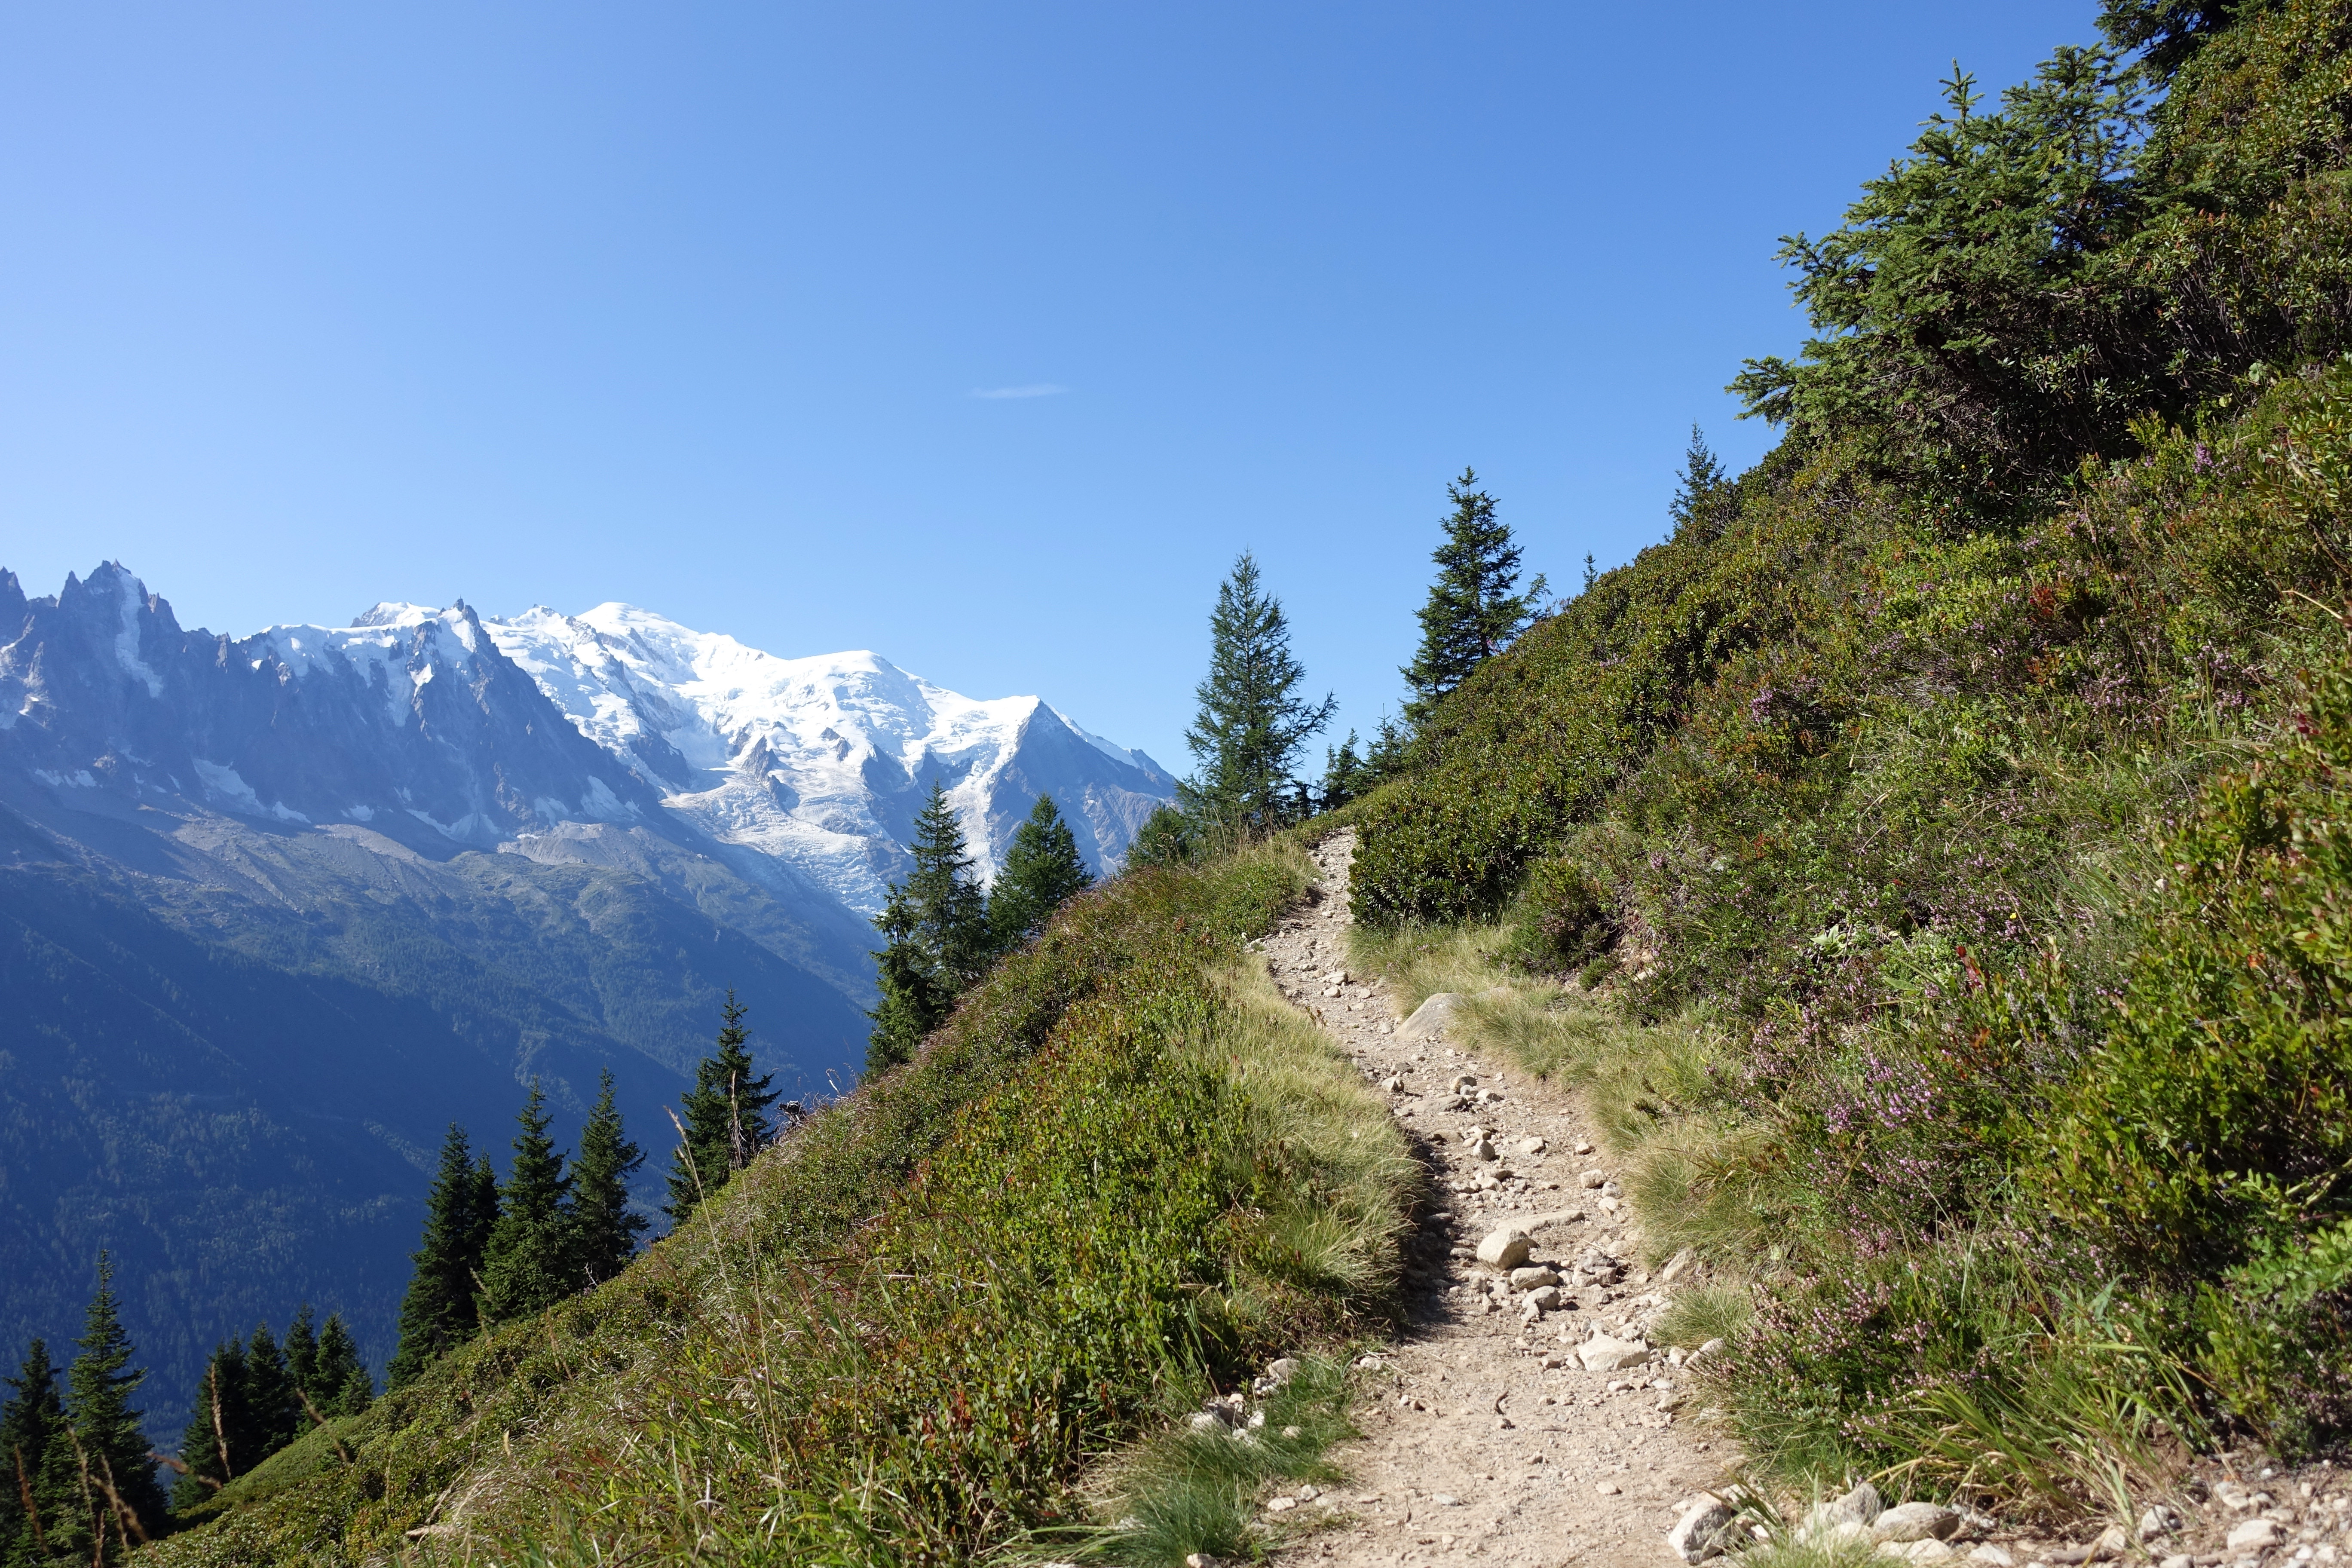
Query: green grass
[{"x": 914, "y": 1331}]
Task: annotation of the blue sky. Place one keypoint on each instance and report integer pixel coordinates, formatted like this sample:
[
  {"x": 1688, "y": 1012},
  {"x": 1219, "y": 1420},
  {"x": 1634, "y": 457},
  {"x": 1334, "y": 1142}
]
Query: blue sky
[{"x": 981, "y": 336}]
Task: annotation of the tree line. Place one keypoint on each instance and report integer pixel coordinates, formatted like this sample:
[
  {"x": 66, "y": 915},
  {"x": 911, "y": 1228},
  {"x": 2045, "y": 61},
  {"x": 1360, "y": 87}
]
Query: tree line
[
  {"x": 1255, "y": 717},
  {"x": 77, "y": 1480},
  {"x": 494, "y": 1251},
  {"x": 944, "y": 929}
]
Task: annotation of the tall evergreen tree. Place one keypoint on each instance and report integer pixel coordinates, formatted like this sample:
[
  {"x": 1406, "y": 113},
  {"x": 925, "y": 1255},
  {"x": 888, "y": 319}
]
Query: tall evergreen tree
[
  {"x": 1696, "y": 503},
  {"x": 604, "y": 1230},
  {"x": 1042, "y": 869},
  {"x": 528, "y": 1264},
  {"x": 1251, "y": 720},
  {"x": 32, "y": 1424},
  {"x": 726, "y": 1117},
  {"x": 1473, "y": 612},
  {"x": 271, "y": 1394},
  {"x": 339, "y": 1383},
  {"x": 302, "y": 1351},
  {"x": 438, "y": 1312},
  {"x": 219, "y": 1444},
  {"x": 103, "y": 1463},
  {"x": 936, "y": 923}
]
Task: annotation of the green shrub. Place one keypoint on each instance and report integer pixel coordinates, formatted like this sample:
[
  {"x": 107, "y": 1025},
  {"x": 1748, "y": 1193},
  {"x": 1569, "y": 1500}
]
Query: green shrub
[{"x": 1562, "y": 920}]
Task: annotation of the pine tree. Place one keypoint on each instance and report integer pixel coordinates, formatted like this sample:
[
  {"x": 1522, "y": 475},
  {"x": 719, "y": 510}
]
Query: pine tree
[
  {"x": 339, "y": 1382},
  {"x": 939, "y": 938},
  {"x": 115, "y": 1502},
  {"x": 1695, "y": 502},
  {"x": 1042, "y": 869},
  {"x": 527, "y": 1266},
  {"x": 438, "y": 1313},
  {"x": 1472, "y": 614},
  {"x": 604, "y": 1229},
  {"x": 1166, "y": 839},
  {"x": 1252, "y": 721},
  {"x": 32, "y": 1424}
]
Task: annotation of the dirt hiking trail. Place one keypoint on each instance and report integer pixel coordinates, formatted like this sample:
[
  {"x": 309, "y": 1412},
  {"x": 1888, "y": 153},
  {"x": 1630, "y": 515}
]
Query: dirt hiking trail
[{"x": 1488, "y": 1438}]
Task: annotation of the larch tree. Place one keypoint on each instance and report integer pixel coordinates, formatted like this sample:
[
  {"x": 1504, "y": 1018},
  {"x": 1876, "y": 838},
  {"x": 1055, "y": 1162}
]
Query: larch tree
[
  {"x": 938, "y": 937},
  {"x": 604, "y": 1230},
  {"x": 438, "y": 1313},
  {"x": 726, "y": 1120},
  {"x": 1043, "y": 868},
  {"x": 527, "y": 1266},
  {"x": 1474, "y": 610},
  {"x": 1252, "y": 719}
]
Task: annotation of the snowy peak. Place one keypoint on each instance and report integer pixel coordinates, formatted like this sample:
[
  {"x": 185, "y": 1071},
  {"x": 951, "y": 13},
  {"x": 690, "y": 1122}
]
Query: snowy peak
[{"x": 821, "y": 762}]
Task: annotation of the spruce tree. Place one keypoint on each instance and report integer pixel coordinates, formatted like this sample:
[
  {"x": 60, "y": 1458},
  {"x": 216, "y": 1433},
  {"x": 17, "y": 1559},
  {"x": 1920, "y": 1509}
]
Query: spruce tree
[
  {"x": 527, "y": 1266},
  {"x": 1346, "y": 774},
  {"x": 271, "y": 1394},
  {"x": 438, "y": 1314},
  {"x": 939, "y": 938},
  {"x": 339, "y": 1382},
  {"x": 302, "y": 1352},
  {"x": 32, "y": 1424},
  {"x": 217, "y": 1444},
  {"x": 115, "y": 1500},
  {"x": 1042, "y": 869},
  {"x": 1251, "y": 720},
  {"x": 726, "y": 1117},
  {"x": 1697, "y": 507},
  {"x": 1472, "y": 613},
  {"x": 604, "y": 1230}
]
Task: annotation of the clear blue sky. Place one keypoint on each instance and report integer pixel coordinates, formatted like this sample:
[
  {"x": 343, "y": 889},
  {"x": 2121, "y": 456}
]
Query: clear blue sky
[{"x": 308, "y": 306}]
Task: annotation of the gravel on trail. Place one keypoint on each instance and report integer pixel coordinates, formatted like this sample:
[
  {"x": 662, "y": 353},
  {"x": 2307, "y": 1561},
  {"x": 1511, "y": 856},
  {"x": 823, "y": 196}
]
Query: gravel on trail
[{"x": 1484, "y": 1434}]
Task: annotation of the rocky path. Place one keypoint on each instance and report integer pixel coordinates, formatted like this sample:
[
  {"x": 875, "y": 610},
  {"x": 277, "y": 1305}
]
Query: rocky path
[{"x": 1489, "y": 1439}]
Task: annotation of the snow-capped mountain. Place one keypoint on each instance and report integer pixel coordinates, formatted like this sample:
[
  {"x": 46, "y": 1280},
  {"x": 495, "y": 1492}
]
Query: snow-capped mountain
[
  {"x": 822, "y": 761},
  {"x": 277, "y": 910}
]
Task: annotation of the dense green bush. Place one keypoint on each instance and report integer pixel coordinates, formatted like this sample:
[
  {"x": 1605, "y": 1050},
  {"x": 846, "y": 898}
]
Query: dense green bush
[{"x": 1969, "y": 788}]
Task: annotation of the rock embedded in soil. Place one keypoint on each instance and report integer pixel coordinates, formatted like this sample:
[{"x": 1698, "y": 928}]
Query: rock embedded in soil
[
  {"x": 1916, "y": 1522},
  {"x": 1702, "y": 1528},
  {"x": 1505, "y": 1248}
]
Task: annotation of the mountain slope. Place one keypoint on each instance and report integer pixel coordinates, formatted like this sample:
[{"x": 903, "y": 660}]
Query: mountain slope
[{"x": 277, "y": 910}]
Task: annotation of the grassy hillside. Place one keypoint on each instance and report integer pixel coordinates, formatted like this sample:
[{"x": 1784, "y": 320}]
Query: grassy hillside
[
  {"x": 1951, "y": 813},
  {"x": 1123, "y": 1172}
]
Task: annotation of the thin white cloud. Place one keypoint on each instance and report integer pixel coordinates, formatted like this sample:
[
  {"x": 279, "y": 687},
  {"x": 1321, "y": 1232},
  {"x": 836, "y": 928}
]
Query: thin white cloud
[{"x": 1036, "y": 389}]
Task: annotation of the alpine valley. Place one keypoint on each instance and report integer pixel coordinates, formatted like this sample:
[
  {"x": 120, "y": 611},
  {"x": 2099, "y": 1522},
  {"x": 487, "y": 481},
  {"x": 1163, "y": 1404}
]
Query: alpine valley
[{"x": 277, "y": 910}]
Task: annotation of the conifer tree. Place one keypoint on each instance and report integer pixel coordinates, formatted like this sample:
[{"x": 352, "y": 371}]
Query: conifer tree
[
  {"x": 1042, "y": 869},
  {"x": 438, "y": 1314},
  {"x": 1472, "y": 613},
  {"x": 1251, "y": 720},
  {"x": 217, "y": 1444},
  {"x": 604, "y": 1230},
  {"x": 1695, "y": 501},
  {"x": 528, "y": 1265},
  {"x": 726, "y": 1117},
  {"x": 302, "y": 1351},
  {"x": 271, "y": 1394},
  {"x": 939, "y": 938},
  {"x": 339, "y": 1382},
  {"x": 32, "y": 1424},
  {"x": 1166, "y": 839},
  {"x": 1346, "y": 774},
  {"x": 102, "y": 1466}
]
